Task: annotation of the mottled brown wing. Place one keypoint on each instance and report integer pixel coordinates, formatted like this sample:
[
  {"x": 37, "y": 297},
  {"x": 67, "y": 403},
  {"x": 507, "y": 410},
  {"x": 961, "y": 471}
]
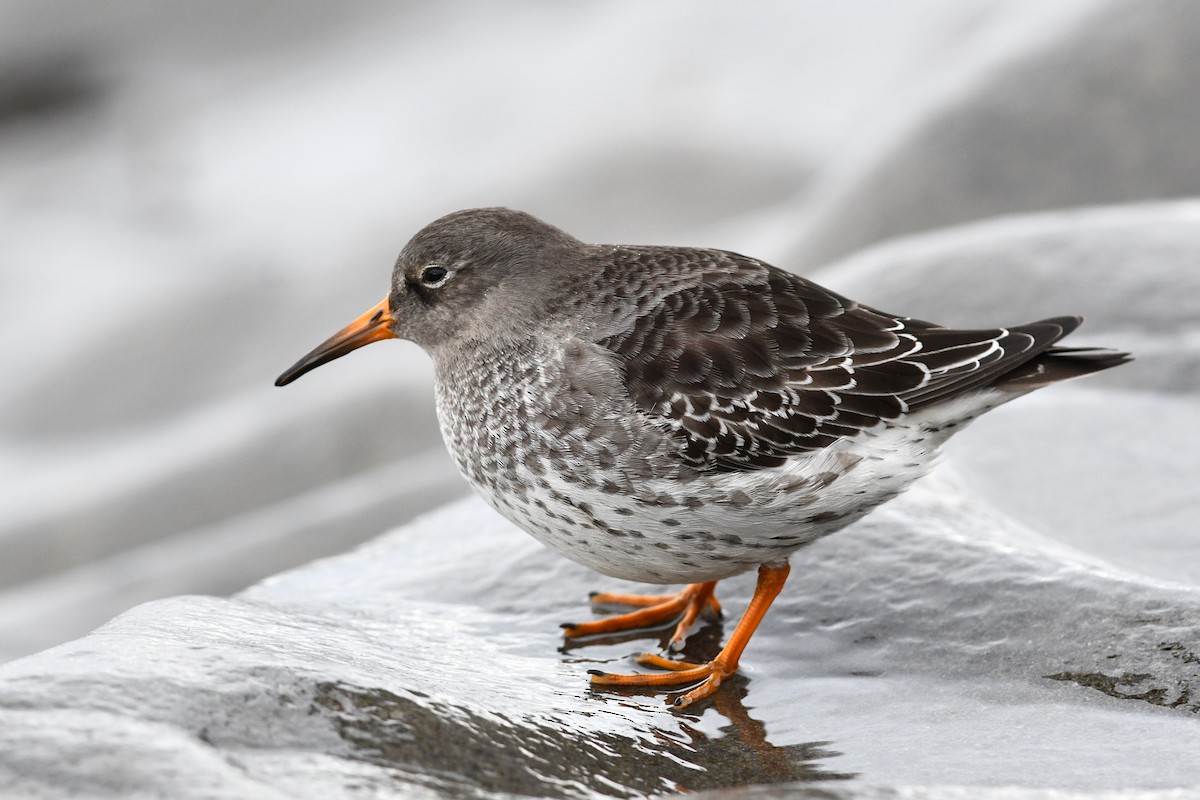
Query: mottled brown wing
[{"x": 750, "y": 365}]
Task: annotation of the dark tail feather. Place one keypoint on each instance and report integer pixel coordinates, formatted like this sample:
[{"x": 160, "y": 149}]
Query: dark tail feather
[
  {"x": 1028, "y": 359},
  {"x": 1060, "y": 364}
]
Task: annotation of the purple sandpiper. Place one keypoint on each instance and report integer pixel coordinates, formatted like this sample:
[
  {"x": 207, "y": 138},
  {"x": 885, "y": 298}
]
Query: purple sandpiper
[{"x": 680, "y": 415}]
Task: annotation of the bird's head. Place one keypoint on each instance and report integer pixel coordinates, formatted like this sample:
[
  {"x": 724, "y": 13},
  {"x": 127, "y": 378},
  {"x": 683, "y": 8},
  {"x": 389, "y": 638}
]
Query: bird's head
[{"x": 483, "y": 274}]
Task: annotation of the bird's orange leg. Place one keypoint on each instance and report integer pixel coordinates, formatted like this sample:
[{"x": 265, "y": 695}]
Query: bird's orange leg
[
  {"x": 770, "y": 582},
  {"x": 653, "y": 609}
]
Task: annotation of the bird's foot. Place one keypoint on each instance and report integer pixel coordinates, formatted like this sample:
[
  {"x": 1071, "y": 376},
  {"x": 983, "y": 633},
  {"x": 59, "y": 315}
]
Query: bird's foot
[
  {"x": 687, "y": 605},
  {"x": 710, "y": 676}
]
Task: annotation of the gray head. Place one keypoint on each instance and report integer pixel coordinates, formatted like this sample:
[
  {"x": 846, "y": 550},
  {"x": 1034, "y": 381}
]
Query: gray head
[{"x": 480, "y": 274}]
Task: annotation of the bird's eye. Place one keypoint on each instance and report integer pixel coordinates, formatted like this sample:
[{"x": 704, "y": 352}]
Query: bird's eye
[{"x": 434, "y": 276}]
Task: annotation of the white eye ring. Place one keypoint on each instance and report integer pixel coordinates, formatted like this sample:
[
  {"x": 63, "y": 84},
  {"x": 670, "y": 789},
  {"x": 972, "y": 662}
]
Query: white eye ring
[{"x": 434, "y": 276}]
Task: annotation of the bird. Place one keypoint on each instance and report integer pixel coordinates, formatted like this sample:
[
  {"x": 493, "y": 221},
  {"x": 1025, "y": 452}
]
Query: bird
[{"x": 680, "y": 415}]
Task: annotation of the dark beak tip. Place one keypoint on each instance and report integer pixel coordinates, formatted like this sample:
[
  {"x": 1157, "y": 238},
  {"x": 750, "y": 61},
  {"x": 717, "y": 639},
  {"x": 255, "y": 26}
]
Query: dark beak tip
[
  {"x": 295, "y": 371},
  {"x": 370, "y": 327},
  {"x": 304, "y": 366}
]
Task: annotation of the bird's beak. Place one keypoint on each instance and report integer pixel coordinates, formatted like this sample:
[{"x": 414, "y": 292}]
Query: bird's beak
[{"x": 372, "y": 326}]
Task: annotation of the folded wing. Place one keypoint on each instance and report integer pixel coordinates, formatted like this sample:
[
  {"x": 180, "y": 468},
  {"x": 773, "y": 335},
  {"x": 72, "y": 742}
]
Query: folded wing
[{"x": 749, "y": 365}]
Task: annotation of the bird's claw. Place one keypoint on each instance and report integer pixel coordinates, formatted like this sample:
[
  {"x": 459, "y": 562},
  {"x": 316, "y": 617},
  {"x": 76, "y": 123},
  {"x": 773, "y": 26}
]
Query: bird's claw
[
  {"x": 710, "y": 677},
  {"x": 687, "y": 605}
]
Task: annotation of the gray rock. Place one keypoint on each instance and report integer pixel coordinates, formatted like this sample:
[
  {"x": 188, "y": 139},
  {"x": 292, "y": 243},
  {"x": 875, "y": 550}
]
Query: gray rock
[
  {"x": 214, "y": 504},
  {"x": 936, "y": 644},
  {"x": 1104, "y": 112},
  {"x": 939, "y": 643},
  {"x": 1129, "y": 270}
]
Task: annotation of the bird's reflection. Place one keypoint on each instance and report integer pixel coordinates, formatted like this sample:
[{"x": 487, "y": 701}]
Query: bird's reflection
[{"x": 742, "y": 755}]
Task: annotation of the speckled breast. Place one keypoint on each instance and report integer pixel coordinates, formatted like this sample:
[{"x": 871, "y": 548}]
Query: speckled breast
[{"x": 587, "y": 475}]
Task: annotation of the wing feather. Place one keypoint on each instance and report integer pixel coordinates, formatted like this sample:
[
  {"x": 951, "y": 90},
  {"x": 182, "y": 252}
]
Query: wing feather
[{"x": 749, "y": 365}]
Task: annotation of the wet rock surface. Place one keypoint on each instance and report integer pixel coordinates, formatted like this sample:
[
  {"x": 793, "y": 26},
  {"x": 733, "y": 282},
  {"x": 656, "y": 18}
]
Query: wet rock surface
[{"x": 936, "y": 644}]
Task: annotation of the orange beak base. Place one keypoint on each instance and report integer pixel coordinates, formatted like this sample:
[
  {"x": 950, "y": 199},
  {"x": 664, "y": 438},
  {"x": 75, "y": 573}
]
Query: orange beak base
[{"x": 373, "y": 326}]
